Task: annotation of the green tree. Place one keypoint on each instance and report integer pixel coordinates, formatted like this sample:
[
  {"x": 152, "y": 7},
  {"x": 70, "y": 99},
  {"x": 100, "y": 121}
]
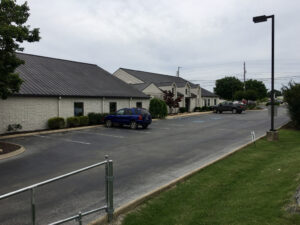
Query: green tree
[
  {"x": 248, "y": 95},
  {"x": 13, "y": 31},
  {"x": 158, "y": 108},
  {"x": 257, "y": 86},
  {"x": 251, "y": 95},
  {"x": 291, "y": 94},
  {"x": 239, "y": 95},
  {"x": 226, "y": 87}
]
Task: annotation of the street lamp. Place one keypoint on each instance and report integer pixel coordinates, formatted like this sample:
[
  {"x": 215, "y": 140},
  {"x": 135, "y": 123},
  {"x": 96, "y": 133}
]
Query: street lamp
[{"x": 259, "y": 19}]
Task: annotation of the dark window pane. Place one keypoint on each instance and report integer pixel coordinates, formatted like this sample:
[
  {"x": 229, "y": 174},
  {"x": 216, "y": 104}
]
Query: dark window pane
[
  {"x": 139, "y": 105},
  {"x": 112, "y": 107},
  {"x": 128, "y": 112},
  {"x": 78, "y": 109}
]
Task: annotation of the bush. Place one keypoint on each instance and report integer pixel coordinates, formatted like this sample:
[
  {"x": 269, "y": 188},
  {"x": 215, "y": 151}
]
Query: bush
[
  {"x": 158, "y": 108},
  {"x": 84, "y": 120},
  {"x": 73, "y": 121},
  {"x": 197, "y": 109},
  {"x": 275, "y": 103},
  {"x": 182, "y": 109},
  {"x": 251, "y": 106},
  {"x": 56, "y": 123},
  {"x": 291, "y": 94},
  {"x": 96, "y": 118}
]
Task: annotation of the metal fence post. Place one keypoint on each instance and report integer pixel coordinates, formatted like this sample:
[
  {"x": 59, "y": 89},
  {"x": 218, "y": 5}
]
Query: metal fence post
[
  {"x": 110, "y": 200},
  {"x": 106, "y": 181},
  {"x": 32, "y": 191},
  {"x": 79, "y": 218}
]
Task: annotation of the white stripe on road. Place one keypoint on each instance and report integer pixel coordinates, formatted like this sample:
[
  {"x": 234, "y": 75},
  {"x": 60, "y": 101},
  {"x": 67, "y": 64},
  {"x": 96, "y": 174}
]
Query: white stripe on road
[
  {"x": 161, "y": 128},
  {"x": 176, "y": 125},
  {"x": 64, "y": 139},
  {"x": 101, "y": 134}
]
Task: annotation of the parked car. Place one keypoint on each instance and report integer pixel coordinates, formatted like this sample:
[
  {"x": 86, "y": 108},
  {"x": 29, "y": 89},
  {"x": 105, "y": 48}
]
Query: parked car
[
  {"x": 133, "y": 117},
  {"x": 230, "y": 106}
]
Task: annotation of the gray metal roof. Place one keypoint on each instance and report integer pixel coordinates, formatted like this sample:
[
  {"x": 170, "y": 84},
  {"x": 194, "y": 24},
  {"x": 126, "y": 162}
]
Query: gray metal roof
[
  {"x": 206, "y": 93},
  {"x": 159, "y": 80},
  {"x": 44, "y": 76}
]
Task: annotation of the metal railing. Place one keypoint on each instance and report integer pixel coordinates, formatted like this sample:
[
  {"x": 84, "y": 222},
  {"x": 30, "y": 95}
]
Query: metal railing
[{"x": 109, "y": 207}]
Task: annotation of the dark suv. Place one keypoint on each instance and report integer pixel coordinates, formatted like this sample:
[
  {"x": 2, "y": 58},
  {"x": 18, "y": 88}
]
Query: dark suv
[
  {"x": 229, "y": 106},
  {"x": 129, "y": 116}
]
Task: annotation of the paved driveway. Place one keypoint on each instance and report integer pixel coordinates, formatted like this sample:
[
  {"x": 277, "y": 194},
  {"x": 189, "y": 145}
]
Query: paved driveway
[{"x": 143, "y": 160}]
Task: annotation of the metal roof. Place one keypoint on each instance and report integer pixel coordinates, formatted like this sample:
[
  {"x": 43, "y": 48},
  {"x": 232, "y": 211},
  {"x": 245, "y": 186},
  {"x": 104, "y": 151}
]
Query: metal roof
[
  {"x": 206, "y": 93},
  {"x": 45, "y": 76},
  {"x": 159, "y": 80}
]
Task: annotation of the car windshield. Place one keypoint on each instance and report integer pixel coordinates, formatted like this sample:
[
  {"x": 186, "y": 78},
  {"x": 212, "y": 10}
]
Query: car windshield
[{"x": 120, "y": 112}]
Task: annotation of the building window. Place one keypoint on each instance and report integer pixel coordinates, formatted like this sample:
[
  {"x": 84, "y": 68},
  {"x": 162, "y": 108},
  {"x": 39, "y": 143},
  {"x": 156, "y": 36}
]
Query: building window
[
  {"x": 205, "y": 102},
  {"x": 139, "y": 105},
  {"x": 215, "y": 101},
  {"x": 78, "y": 108},
  {"x": 112, "y": 107},
  {"x": 208, "y": 102},
  {"x": 186, "y": 91},
  {"x": 173, "y": 90}
]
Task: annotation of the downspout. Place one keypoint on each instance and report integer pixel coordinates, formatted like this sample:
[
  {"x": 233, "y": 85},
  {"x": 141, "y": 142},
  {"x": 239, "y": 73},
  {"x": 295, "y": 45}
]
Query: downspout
[
  {"x": 58, "y": 106},
  {"x": 103, "y": 99}
]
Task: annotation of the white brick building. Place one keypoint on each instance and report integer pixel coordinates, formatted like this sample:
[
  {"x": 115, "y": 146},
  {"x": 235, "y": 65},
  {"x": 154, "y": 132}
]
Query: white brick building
[
  {"x": 153, "y": 84},
  {"x": 55, "y": 87}
]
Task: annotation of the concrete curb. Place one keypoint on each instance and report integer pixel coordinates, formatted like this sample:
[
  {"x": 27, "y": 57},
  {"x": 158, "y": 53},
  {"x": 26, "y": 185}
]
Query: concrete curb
[
  {"x": 188, "y": 114},
  {"x": 47, "y": 132},
  {"x": 133, "y": 204},
  {"x": 14, "y": 153}
]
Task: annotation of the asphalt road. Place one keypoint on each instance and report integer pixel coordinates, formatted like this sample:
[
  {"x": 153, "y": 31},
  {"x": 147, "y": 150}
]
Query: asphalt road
[{"x": 143, "y": 161}]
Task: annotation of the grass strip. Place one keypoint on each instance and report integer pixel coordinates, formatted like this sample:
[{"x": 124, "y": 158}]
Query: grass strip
[{"x": 255, "y": 185}]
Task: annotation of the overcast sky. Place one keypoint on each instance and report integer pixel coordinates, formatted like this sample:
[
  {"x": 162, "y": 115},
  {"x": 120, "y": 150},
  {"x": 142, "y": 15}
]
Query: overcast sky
[{"x": 209, "y": 39}]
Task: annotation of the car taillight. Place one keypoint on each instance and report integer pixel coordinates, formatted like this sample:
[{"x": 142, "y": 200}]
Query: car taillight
[{"x": 140, "y": 117}]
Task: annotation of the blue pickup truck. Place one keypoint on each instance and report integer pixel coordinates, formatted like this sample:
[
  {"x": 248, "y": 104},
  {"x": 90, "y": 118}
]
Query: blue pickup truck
[{"x": 129, "y": 116}]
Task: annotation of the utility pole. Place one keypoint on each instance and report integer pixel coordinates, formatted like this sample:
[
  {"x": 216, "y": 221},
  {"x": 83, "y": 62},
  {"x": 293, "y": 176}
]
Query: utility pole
[
  {"x": 245, "y": 76},
  {"x": 177, "y": 73}
]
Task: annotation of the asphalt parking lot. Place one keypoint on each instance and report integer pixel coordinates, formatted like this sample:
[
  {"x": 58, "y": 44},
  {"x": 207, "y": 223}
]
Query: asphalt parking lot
[{"x": 143, "y": 161}]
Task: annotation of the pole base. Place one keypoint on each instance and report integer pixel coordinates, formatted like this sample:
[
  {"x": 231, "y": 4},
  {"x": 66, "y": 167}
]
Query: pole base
[{"x": 272, "y": 135}]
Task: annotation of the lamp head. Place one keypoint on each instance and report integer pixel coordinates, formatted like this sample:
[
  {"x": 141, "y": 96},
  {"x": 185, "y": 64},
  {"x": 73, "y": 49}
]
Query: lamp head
[{"x": 259, "y": 19}]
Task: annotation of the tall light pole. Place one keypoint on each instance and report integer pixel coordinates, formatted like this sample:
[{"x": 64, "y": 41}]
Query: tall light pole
[{"x": 259, "y": 19}]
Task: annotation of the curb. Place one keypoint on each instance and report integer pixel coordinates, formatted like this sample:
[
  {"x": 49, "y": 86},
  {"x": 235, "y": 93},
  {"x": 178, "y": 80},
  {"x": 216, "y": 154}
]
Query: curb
[
  {"x": 47, "y": 132},
  {"x": 133, "y": 204},
  {"x": 188, "y": 114},
  {"x": 14, "y": 153}
]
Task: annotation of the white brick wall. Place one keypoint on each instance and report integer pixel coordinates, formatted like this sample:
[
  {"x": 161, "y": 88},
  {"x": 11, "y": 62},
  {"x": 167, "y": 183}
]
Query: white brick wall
[{"x": 33, "y": 112}]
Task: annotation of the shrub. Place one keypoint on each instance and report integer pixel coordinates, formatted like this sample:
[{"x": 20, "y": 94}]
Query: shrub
[
  {"x": 275, "y": 103},
  {"x": 96, "y": 118},
  {"x": 251, "y": 106},
  {"x": 182, "y": 109},
  {"x": 158, "y": 108},
  {"x": 197, "y": 109},
  {"x": 93, "y": 118},
  {"x": 73, "y": 121},
  {"x": 56, "y": 123},
  {"x": 164, "y": 110},
  {"x": 84, "y": 120},
  {"x": 291, "y": 94}
]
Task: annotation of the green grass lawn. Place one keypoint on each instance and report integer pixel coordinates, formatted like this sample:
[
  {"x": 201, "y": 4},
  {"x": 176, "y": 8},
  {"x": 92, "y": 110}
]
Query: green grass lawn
[{"x": 253, "y": 186}]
